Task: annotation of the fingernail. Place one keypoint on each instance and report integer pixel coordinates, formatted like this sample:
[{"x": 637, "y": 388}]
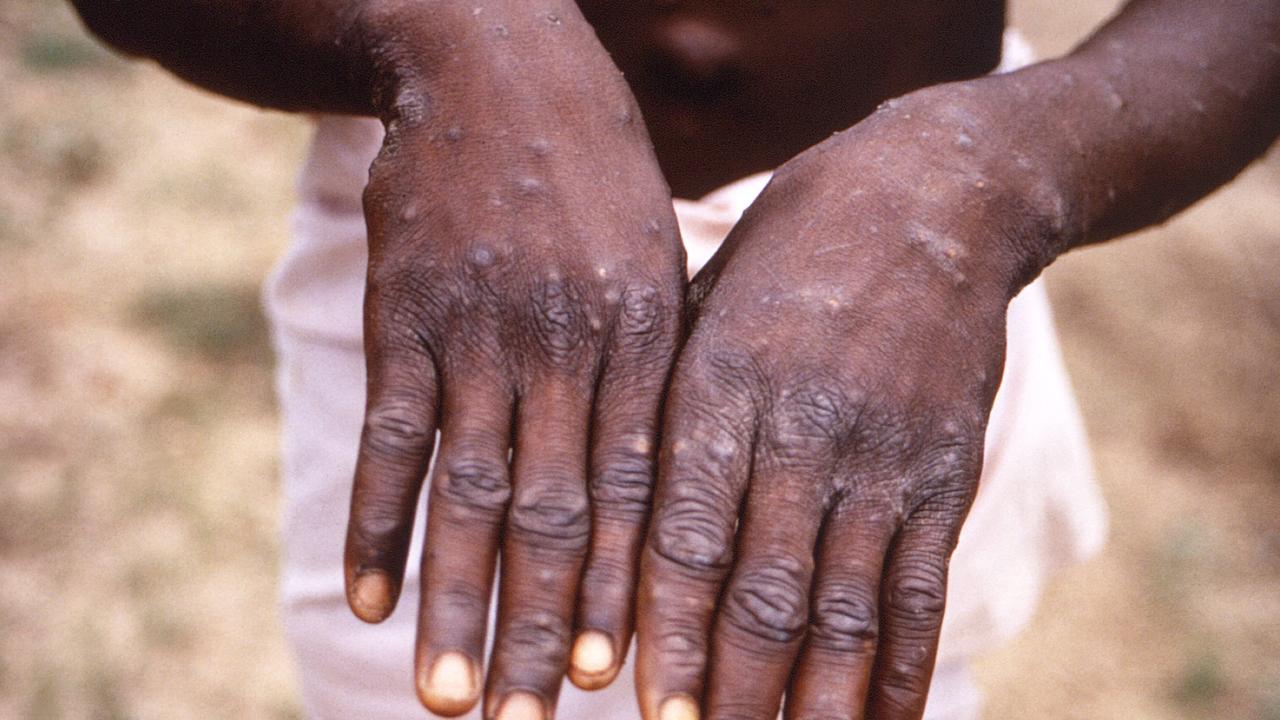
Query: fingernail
[
  {"x": 452, "y": 687},
  {"x": 521, "y": 706},
  {"x": 371, "y": 596},
  {"x": 678, "y": 707},
  {"x": 593, "y": 653}
]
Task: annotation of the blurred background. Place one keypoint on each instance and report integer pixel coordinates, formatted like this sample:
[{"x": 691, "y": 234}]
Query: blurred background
[{"x": 138, "y": 433}]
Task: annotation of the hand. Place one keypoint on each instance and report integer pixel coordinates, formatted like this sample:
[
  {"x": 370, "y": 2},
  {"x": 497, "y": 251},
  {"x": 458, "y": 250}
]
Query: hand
[
  {"x": 524, "y": 292},
  {"x": 824, "y": 427}
]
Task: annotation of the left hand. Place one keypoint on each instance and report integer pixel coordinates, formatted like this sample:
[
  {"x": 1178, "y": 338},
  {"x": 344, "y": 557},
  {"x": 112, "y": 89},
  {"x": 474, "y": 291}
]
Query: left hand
[{"x": 824, "y": 427}]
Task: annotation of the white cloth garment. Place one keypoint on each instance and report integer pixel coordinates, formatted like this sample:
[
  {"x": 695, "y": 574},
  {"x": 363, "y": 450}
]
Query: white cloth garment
[{"x": 1037, "y": 508}]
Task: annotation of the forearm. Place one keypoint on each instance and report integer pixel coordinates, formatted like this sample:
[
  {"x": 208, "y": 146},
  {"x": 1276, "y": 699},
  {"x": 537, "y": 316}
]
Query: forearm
[
  {"x": 1162, "y": 105},
  {"x": 342, "y": 56},
  {"x": 1170, "y": 100}
]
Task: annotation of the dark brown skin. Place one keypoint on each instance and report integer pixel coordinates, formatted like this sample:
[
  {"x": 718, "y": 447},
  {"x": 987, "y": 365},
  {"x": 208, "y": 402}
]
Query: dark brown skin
[{"x": 843, "y": 348}]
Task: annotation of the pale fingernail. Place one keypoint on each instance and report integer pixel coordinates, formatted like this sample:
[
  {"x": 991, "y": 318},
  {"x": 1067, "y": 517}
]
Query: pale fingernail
[
  {"x": 678, "y": 707},
  {"x": 451, "y": 687},
  {"x": 371, "y": 596},
  {"x": 521, "y": 706},
  {"x": 593, "y": 653}
]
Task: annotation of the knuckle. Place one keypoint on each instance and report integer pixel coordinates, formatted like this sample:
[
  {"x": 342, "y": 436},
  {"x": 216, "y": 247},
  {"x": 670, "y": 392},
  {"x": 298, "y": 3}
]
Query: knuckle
[
  {"x": 917, "y": 596},
  {"x": 844, "y": 617},
  {"x": 535, "y": 637},
  {"x": 769, "y": 600},
  {"x": 376, "y": 523},
  {"x": 692, "y": 533},
  {"x": 808, "y": 420},
  {"x": 684, "y": 651},
  {"x": 950, "y": 467},
  {"x": 624, "y": 482},
  {"x": 553, "y": 517},
  {"x": 640, "y": 319},
  {"x": 559, "y": 327},
  {"x": 475, "y": 483},
  {"x": 730, "y": 374},
  {"x": 459, "y": 600},
  {"x": 884, "y": 433},
  {"x": 395, "y": 432},
  {"x": 402, "y": 281}
]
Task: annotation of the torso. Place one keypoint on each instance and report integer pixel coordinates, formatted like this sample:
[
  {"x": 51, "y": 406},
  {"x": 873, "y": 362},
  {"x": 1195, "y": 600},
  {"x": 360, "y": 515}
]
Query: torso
[{"x": 730, "y": 88}]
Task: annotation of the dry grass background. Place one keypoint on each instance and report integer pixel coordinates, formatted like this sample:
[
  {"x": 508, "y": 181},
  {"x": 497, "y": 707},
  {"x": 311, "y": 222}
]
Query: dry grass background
[{"x": 138, "y": 437}]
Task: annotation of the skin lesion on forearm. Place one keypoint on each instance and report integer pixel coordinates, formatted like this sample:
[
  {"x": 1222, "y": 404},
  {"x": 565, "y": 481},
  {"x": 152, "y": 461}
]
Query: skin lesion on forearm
[{"x": 1162, "y": 105}]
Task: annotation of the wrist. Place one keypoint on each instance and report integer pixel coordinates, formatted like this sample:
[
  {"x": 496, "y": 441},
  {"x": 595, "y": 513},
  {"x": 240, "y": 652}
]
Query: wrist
[
  {"x": 995, "y": 149},
  {"x": 466, "y": 59}
]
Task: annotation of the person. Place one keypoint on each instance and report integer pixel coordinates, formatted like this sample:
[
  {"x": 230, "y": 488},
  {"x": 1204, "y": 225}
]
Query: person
[{"x": 764, "y": 471}]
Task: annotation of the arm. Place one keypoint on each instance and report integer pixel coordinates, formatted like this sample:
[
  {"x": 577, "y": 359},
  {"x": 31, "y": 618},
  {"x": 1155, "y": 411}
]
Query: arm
[
  {"x": 323, "y": 56},
  {"x": 1164, "y": 104},
  {"x": 523, "y": 297},
  {"x": 824, "y": 428}
]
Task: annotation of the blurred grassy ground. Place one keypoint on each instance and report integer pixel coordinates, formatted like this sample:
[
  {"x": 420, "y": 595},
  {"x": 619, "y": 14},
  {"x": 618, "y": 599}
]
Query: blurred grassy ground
[{"x": 138, "y": 437}]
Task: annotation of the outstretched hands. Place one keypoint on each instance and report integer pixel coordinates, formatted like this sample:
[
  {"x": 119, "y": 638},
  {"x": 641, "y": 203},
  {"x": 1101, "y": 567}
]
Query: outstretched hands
[
  {"x": 524, "y": 294},
  {"x": 823, "y": 428}
]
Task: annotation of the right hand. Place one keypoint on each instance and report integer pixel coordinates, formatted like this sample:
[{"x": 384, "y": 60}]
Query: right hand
[{"x": 525, "y": 288}]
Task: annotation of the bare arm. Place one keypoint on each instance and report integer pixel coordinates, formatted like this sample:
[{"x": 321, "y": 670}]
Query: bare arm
[
  {"x": 287, "y": 54},
  {"x": 1165, "y": 103}
]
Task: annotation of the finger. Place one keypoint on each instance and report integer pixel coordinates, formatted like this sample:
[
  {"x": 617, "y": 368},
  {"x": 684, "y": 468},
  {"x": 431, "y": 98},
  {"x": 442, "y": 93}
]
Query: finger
[
  {"x": 544, "y": 543},
  {"x": 469, "y": 495},
  {"x": 622, "y": 472},
  {"x": 834, "y": 669},
  {"x": 703, "y": 470},
  {"x": 765, "y": 606},
  {"x": 395, "y": 447},
  {"x": 912, "y": 600}
]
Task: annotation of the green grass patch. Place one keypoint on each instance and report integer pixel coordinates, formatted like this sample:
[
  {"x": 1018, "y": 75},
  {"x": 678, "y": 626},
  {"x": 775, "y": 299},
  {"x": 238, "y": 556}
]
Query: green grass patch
[
  {"x": 1203, "y": 678},
  {"x": 217, "y": 323},
  {"x": 53, "y": 52}
]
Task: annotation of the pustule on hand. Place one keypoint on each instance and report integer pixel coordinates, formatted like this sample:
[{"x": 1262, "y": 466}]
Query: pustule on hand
[{"x": 980, "y": 186}]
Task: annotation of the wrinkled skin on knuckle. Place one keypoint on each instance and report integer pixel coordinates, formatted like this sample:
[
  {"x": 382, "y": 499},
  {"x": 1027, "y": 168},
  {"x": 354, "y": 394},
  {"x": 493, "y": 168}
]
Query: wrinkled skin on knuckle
[
  {"x": 394, "y": 434},
  {"x": 729, "y": 375},
  {"x": 769, "y": 600},
  {"x": 683, "y": 652},
  {"x": 917, "y": 594},
  {"x": 475, "y": 484},
  {"x": 557, "y": 323},
  {"x": 623, "y": 484},
  {"x": 885, "y": 435},
  {"x": 950, "y": 466},
  {"x": 551, "y": 517},
  {"x": 535, "y": 638},
  {"x": 643, "y": 320},
  {"x": 405, "y": 306},
  {"x": 844, "y": 617},
  {"x": 691, "y": 533},
  {"x": 374, "y": 522},
  {"x": 460, "y": 600},
  {"x": 808, "y": 421}
]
